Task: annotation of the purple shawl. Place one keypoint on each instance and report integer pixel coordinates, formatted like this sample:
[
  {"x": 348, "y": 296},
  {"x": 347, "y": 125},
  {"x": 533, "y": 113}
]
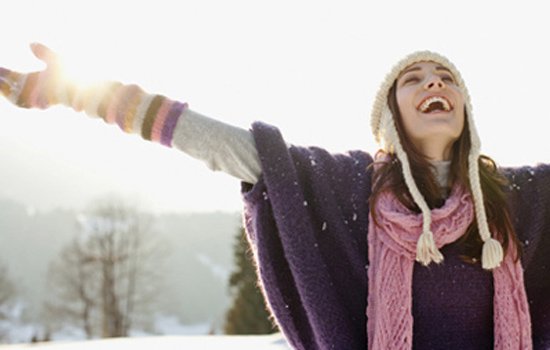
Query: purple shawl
[{"x": 307, "y": 221}]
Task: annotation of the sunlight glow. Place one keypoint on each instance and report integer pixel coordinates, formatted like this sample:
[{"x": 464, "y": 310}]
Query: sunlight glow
[{"x": 316, "y": 82}]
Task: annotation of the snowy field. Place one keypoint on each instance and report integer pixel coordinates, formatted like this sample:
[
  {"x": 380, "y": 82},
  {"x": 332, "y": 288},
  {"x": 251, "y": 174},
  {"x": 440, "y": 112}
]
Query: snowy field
[
  {"x": 169, "y": 334},
  {"x": 267, "y": 342}
]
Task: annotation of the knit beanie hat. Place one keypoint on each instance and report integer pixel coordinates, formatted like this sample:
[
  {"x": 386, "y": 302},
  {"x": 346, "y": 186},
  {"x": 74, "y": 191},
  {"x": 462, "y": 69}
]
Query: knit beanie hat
[{"x": 385, "y": 133}]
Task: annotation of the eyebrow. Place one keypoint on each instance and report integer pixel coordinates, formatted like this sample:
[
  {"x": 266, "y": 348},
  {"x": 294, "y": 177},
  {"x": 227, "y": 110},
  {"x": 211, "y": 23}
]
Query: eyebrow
[{"x": 417, "y": 68}]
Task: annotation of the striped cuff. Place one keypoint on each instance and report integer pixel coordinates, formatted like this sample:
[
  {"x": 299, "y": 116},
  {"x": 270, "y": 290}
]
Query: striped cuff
[
  {"x": 161, "y": 119},
  {"x": 154, "y": 117},
  {"x": 170, "y": 123},
  {"x": 165, "y": 123}
]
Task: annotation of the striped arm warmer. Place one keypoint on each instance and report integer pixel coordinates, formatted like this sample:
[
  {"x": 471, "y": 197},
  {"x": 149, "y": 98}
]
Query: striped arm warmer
[{"x": 154, "y": 117}]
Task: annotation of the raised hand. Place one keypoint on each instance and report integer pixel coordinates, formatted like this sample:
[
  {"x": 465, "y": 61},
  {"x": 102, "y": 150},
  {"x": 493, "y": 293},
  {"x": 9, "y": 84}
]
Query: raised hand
[
  {"x": 37, "y": 89},
  {"x": 154, "y": 117}
]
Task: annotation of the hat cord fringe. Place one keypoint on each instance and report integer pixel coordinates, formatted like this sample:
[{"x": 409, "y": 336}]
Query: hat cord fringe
[
  {"x": 492, "y": 253},
  {"x": 426, "y": 250}
]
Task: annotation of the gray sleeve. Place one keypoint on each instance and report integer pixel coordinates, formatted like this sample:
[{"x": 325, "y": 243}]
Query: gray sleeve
[{"x": 221, "y": 146}]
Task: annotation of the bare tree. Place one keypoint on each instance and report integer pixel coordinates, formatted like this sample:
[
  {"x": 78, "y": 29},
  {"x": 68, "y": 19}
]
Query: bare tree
[
  {"x": 109, "y": 275},
  {"x": 74, "y": 285},
  {"x": 7, "y": 293}
]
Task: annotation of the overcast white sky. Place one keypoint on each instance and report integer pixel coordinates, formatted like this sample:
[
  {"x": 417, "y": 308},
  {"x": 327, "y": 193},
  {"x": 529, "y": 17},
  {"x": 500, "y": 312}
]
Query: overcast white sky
[{"x": 310, "y": 67}]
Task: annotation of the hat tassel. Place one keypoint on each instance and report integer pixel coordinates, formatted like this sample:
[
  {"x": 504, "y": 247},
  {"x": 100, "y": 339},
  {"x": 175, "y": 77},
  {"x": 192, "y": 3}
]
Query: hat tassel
[
  {"x": 426, "y": 251},
  {"x": 492, "y": 254}
]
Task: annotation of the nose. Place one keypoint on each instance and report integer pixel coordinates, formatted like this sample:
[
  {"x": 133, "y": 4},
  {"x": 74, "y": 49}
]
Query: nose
[{"x": 434, "y": 82}]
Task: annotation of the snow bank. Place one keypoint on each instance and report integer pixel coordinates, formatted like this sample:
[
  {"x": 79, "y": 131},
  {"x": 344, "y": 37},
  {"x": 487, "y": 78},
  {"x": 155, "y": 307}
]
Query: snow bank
[{"x": 225, "y": 342}]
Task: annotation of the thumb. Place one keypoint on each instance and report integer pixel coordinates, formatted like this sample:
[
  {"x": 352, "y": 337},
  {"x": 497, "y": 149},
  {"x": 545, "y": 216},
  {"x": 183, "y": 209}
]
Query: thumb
[{"x": 43, "y": 53}]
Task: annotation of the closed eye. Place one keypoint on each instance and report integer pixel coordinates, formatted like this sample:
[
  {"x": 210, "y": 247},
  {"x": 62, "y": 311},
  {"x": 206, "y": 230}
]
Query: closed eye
[
  {"x": 448, "y": 78},
  {"x": 410, "y": 79}
]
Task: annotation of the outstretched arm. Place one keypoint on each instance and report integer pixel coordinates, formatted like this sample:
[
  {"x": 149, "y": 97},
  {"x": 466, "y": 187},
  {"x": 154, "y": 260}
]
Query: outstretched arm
[{"x": 154, "y": 117}]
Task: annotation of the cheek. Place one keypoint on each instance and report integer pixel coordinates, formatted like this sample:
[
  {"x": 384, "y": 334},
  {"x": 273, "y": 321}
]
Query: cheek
[
  {"x": 405, "y": 101},
  {"x": 462, "y": 119},
  {"x": 459, "y": 123},
  {"x": 400, "y": 98}
]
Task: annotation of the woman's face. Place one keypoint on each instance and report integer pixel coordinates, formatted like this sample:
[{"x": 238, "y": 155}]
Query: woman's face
[{"x": 431, "y": 106}]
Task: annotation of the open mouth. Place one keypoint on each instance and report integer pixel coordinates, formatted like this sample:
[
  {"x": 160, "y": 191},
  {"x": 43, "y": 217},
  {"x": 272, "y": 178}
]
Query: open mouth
[{"x": 435, "y": 104}]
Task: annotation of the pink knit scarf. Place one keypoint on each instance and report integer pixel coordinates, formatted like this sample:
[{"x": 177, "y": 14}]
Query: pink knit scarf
[{"x": 392, "y": 252}]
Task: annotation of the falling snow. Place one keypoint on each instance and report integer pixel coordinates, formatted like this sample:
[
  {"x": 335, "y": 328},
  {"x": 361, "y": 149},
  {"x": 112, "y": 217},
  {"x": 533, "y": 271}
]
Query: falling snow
[{"x": 324, "y": 226}]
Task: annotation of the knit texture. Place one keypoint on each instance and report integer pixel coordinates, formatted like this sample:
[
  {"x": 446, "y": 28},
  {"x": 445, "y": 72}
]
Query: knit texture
[
  {"x": 392, "y": 251},
  {"x": 307, "y": 221},
  {"x": 154, "y": 117}
]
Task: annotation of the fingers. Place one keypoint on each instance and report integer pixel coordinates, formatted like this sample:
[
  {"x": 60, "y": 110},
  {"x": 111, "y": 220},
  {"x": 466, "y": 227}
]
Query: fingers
[
  {"x": 43, "y": 53},
  {"x": 9, "y": 83},
  {"x": 4, "y": 83},
  {"x": 22, "y": 89},
  {"x": 4, "y": 73},
  {"x": 12, "y": 87},
  {"x": 36, "y": 89}
]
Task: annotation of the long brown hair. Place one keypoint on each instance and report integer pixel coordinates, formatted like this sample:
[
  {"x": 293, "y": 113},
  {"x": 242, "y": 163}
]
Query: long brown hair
[{"x": 388, "y": 176}]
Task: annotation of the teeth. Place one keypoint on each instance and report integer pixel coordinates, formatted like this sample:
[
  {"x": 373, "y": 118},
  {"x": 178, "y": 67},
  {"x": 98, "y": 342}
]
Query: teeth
[{"x": 426, "y": 104}]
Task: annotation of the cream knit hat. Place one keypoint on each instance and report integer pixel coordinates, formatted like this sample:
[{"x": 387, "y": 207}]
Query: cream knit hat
[{"x": 385, "y": 133}]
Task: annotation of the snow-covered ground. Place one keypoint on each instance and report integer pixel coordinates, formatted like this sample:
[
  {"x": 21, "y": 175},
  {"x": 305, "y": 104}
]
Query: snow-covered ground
[
  {"x": 15, "y": 329},
  {"x": 225, "y": 342},
  {"x": 170, "y": 333}
]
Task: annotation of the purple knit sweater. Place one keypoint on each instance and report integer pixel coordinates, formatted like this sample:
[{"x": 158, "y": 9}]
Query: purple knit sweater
[{"x": 307, "y": 220}]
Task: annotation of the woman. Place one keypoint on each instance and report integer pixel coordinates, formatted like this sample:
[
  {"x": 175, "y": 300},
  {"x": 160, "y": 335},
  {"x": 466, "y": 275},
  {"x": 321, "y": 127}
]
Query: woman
[{"x": 417, "y": 249}]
